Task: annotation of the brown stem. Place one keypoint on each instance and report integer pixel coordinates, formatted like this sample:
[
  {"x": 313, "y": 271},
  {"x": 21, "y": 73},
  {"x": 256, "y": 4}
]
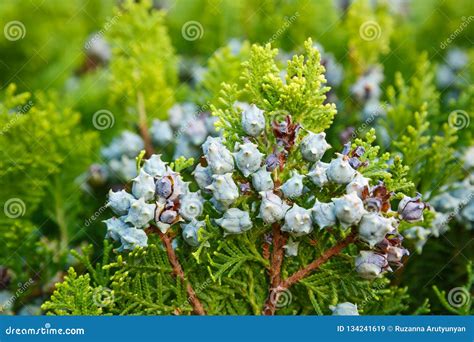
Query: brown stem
[
  {"x": 308, "y": 269},
  {"x": 270, "y": 305},
  {"x": 143, "y": 125},
  {"x": 178, "y": 272},
  {"x": 278, "y": 241}
]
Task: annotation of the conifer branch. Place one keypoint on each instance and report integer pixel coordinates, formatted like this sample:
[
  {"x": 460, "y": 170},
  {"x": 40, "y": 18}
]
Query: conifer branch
[
  {"x": 278, "y": 241},
  {"x": 178, "y": 272},
  {"x": 279, "y": 286},
  {"x": 308, "y": 269},
  {"x": 143, "y": 125}
]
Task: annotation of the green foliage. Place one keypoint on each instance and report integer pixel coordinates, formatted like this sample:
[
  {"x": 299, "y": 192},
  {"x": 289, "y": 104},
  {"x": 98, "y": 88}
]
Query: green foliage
[
  {"x": 406, "y": 99},
  {"x": 283, "y": 23},
  {"x": 459, "y": 301},
  {"x": 230, "y": 272},
  {"x": 43, "y": 140},
  {"x": 415, "y": 126},
  {"x": 301, "y": 94},
  {"x": 218, "y": 22},
  {"x": 223, "y": 66},
  {"x": 393, "y": 174},
  {"x": 369, "y": 33},
  {"x": 36, "y": 56},
  {"x": 74, "y": 296},
  {"x": 143, "y": 67},
  {"x": 429, "y": 33},
  {"x": 181, "y": 163},
  {"x": 46, "y": 145},
  {"x": 47, "y": 151},
  {"x": 462, "y": 109}
]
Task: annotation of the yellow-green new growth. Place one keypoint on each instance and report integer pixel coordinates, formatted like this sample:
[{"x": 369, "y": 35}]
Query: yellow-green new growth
[{"x": 143, "y": 64}]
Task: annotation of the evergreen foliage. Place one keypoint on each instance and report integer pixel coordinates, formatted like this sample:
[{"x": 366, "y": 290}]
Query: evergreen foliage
[
  {"x": 229, "y": 273},
  {"x": 143, "y": 60}
]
